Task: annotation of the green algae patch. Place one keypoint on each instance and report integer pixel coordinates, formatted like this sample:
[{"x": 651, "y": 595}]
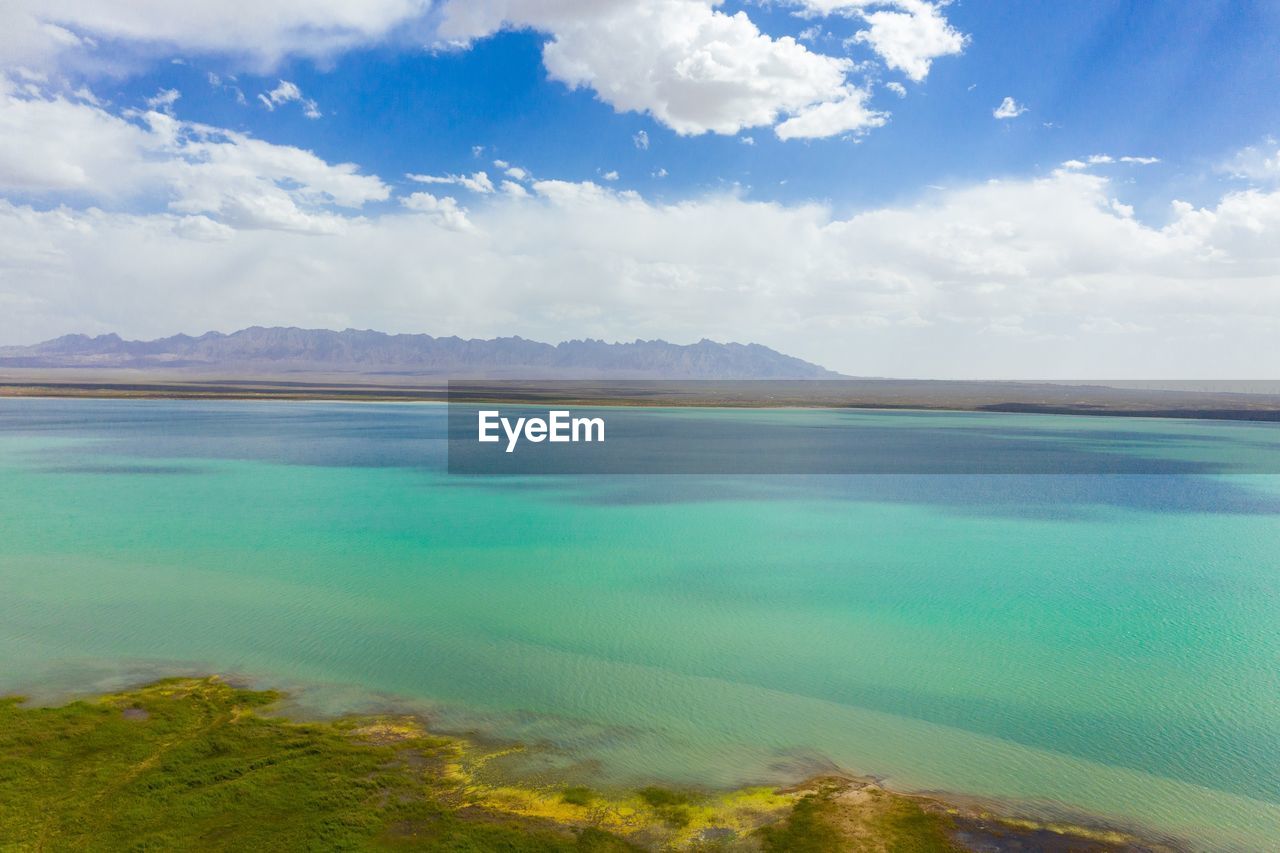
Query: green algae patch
[
  {"x": 196, "y": 764},
  {"x": 190, "y": 764}
]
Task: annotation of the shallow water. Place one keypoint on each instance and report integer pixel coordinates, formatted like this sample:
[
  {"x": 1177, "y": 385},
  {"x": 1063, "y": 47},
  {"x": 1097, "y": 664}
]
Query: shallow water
[{"x": 1107, "y": 644}]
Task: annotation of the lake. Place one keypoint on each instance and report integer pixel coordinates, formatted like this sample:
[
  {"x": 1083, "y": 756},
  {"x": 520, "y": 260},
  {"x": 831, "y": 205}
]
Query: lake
[{"x": 1099, "y": 644}]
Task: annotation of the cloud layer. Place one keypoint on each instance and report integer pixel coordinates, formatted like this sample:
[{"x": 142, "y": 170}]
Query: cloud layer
[
  {"x": 39, "y": 33},
  {"x": 1049, "y": 276},
  {"x": 687, "y": 63},
  {"x": 59, "y": 146},
  {"x": 136, "y": 221}
]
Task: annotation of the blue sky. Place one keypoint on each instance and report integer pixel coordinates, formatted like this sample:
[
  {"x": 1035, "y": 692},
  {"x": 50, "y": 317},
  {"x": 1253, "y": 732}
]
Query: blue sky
[
  {"x": 1186, "y": 82},
  {"x": 1115, "y": 214}
]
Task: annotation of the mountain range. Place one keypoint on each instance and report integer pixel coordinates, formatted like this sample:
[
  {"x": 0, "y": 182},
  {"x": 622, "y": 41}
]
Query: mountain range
[{"x": 277, "y": 351}]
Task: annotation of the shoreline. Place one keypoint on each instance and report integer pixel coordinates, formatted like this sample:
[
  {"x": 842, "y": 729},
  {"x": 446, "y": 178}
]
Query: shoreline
[
  {"x": 1012, "y": 397},
  {"x": 841, "y": 808}
]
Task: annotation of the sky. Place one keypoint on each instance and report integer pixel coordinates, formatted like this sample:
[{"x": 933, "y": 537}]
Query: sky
[{"x": 905, "y": 188}]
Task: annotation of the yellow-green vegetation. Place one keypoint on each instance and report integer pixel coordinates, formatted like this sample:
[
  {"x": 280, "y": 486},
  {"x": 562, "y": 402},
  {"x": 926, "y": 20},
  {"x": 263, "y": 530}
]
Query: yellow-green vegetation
[
  {"x": 839, "y": 814},
  {"x": 191, "y": 764},
  {"x": 671, "y": 806},
  {"x": 196, "y": 764},
  {"x": 577, "y": 795}
]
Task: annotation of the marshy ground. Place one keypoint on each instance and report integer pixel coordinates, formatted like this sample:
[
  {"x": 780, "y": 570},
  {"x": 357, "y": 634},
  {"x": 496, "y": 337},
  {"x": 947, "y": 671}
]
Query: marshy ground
[{"x": 199, "y": 764}]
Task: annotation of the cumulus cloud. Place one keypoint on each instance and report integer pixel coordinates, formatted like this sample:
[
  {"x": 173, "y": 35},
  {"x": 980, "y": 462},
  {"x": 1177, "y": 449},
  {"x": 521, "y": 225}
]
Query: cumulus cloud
[
  {"x": 443, "y": 210},
  {"x": 1256, "y": 162},
  {"x": 910, "y": 36},
  {"x": 691, "y": 66},
  {"x": 1047, "y": 276},
  {"x": 907, "y": 34},
  {"x": 848, "y": 114},
  {"x": 1008, "y": 108},
  {"x": 60, "y": 147},
  {"x": 513, "y": 189},
  {"x": 287, "y": 92}
]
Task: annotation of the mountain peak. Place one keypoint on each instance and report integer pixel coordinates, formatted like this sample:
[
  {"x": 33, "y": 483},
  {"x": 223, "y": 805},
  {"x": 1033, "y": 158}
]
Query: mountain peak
[{"x": 275, "y": 350}]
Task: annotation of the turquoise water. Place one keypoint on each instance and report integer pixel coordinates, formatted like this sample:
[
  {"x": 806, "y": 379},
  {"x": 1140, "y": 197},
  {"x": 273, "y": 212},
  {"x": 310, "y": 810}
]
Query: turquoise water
[{"x": 1106, "y": 645}]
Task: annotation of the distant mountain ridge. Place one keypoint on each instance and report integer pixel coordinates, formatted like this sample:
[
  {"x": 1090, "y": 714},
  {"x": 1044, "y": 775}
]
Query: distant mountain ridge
[{"x": 279, "y": 350}]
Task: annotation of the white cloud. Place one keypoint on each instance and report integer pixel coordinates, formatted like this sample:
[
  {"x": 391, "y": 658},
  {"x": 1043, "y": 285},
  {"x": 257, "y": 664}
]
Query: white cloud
[
  {"x": 164, "y": 100},
  {"x": 201, "y": 228},
  {"x": 1009, "y": 108},
  {"x": 513, "y": 189},
  {"x": 810, "y": 34},
  {"x": 477, "y": 182},
  {"x": 58, "y": 147},
  {"x": 907, "y": 34},
  {"x": 1256, "y": 162},
  {"x": 1107, "y": 160},
  {"x": 611, "y": 175},
  {"x": 568, "y": 193},
  {"x": 688, "y": 63},
  {"x": 641, "y": 140},
  {"x": 692, "y": 67},
  {"x": 897, "y": 88},
  {"x": 84, "y": 94},
  {"x": 910, "y": 36},
  {"x": 287, "y": 92},
  {"x": 444, "y": 210},
  {"x": 1049, "y": 276},
  {"x": 216, "y": 81},
  {"x": 846, "y": 115},
  {"x": 41, "y": 33},
  {"x": 517, "y": 173}
]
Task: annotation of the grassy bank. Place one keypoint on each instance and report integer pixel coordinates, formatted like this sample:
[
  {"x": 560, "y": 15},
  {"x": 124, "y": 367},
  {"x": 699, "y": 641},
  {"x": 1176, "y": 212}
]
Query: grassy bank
[{"x": 197, "y": 764}]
